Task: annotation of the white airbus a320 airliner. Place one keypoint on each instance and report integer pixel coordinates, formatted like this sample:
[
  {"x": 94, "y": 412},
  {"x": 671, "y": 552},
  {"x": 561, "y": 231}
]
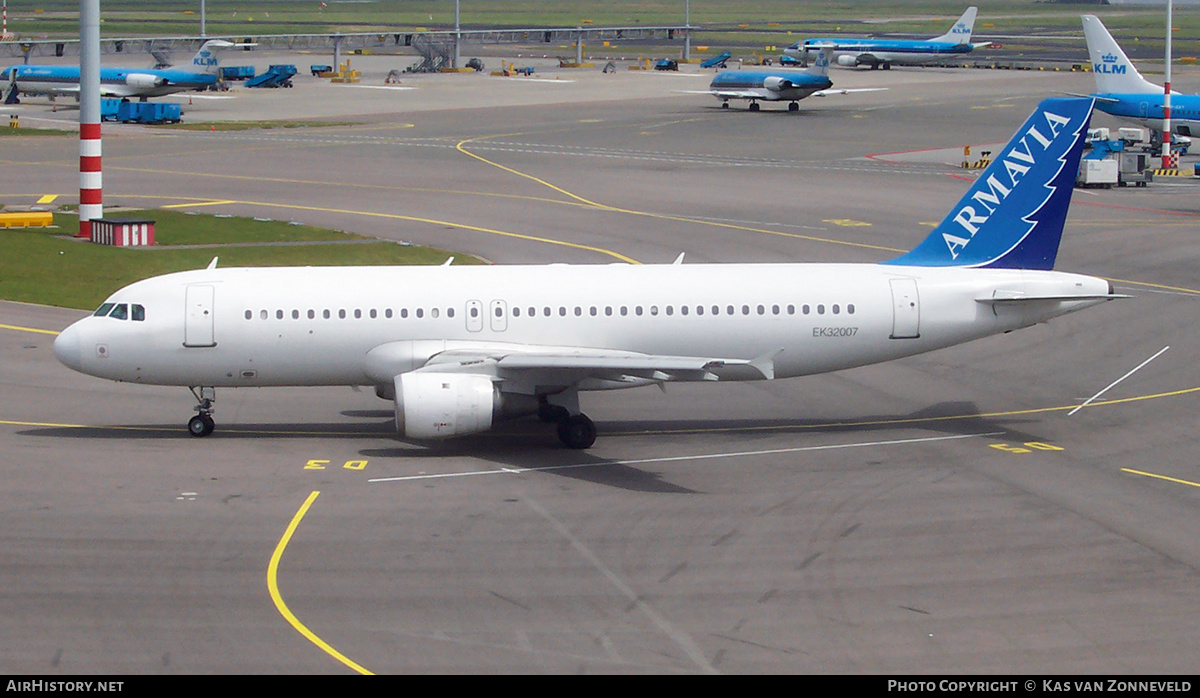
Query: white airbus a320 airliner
[{"x": 458, "y": 348}]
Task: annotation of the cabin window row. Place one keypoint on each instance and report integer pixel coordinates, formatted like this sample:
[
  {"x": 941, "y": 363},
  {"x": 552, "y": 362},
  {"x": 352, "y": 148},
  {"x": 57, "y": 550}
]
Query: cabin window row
[
  {"x": 654, "y": 310},
  {"x": 562, "y": 311},
  {"x": 343, "y": 314}
]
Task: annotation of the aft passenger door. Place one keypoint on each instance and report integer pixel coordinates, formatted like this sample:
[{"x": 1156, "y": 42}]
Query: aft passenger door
[
  {"x": 198, "y": 317},
  {"x": 906, "y": 309}
]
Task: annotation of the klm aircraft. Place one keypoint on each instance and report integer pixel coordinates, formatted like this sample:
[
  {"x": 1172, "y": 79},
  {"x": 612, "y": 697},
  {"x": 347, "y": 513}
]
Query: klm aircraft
[
  {"x": 777, "y": 85},
  {"x": 458, "y": 348},
  {"x": 884, "y": 53},
  {"x": 117, "y": 82},
  {"x": 1125, "y": 94}
]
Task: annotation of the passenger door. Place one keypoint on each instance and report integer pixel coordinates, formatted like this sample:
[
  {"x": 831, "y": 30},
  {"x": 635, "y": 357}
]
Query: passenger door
[
  {"x": 198, "y": 317},
  {"x": 906, "y": 309}
]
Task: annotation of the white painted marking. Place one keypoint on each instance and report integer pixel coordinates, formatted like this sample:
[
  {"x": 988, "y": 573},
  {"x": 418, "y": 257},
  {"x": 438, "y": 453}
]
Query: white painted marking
[
  {"x": 672, "y": 459},
  {"x": 680, "y": 638},
  {"x": 1110, "y": 385},
  {"x": 382, "y": 87},
  {"x": 555, "y": 80}
]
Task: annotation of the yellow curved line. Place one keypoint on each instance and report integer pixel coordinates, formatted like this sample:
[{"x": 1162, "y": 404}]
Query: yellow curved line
[
  {"x": 18, "y": 328},
  {"x": 459, "y": 147},
  {"x": 272, "y": 571},
  {"x": 660, "y": 216},
  {"x": 451, "y": 224}
]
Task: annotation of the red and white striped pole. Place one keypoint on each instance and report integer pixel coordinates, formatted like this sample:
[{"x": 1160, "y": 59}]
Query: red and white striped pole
[
  {"x": 90, "y": 193},
  {"x": 1169, "y": 160},
  {"x": 90, "y": 199}
]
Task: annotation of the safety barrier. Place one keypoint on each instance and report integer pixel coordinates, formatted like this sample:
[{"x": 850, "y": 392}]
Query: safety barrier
[{"x": 26, "y": 219}]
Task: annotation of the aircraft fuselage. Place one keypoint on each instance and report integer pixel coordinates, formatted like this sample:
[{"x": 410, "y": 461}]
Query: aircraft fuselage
[{"x": 317, "y": 326}]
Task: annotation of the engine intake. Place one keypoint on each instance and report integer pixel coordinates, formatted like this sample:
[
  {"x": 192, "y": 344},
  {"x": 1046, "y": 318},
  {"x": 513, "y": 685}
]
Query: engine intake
[{"x": 441, "y": 405}]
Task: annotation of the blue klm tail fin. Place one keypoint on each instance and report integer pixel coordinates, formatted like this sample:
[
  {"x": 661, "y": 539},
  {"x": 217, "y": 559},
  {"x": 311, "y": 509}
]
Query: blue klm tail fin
[{"x": 1012, "y": 217}]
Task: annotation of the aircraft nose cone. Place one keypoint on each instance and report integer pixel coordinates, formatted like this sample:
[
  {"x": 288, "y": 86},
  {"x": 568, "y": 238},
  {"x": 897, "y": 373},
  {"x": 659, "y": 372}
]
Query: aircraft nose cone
[{"x": 67, "y": 348}]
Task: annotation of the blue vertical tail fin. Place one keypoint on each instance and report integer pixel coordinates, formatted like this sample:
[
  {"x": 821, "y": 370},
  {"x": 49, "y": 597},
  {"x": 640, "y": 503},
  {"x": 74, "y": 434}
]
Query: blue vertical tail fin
[{"x": 1012, "y": 217}]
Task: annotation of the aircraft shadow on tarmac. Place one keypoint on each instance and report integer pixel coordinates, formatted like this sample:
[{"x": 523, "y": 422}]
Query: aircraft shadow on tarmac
[
  {"x": 516, "y": 445},
  {"x": 529, "y": 445}
]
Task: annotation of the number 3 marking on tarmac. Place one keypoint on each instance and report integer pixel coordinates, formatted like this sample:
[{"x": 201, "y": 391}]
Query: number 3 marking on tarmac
[
  {"x": 1027, "y": 447},
  {"x": 319, "y": 464}
]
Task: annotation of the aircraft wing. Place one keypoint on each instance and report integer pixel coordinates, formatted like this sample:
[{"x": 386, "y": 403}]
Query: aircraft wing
[
  {"x": 116, "y": 91},
  {"x": 846, "y": 91},
  {"x": 528, "y": 366},
  {"x": 105, "y": 90},
  {"x": 63, "y": 88},
  {"x": 742, "y": 94}
]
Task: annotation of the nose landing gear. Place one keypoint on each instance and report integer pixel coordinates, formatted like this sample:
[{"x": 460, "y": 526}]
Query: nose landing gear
[{"x": 202, "y": 424}]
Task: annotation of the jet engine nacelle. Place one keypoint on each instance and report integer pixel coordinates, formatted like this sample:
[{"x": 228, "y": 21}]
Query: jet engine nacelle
[
  {"x": 143, "y": 80},
  {"x": 440, "y": 405},
  {"x": 776, "y": 83},
  {"x": 847, "y": 61}
]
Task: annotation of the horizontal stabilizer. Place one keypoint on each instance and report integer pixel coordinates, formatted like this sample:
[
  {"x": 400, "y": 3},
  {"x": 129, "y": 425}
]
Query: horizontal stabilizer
[
  {"x": 846, "y": 91},
  {"x": 1017, "y": 300}
]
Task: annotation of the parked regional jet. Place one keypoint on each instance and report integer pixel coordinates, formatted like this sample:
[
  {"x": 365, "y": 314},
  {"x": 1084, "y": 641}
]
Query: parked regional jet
[
  {"x": 884, "y": 53},
  {"x": 117, "y": 82},
  {"x": 457, "y": 348},
  {"x": 777, "y": 85},
  {"x": 1125, "y": 94}
]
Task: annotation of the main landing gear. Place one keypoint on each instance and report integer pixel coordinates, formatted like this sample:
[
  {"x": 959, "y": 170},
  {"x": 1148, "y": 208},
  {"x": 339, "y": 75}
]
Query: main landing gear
[
  {"x": 576, "y": 431},
  {"x": 202, "y": 424}
]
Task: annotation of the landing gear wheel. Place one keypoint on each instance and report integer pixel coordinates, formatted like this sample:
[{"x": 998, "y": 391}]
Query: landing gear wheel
[
  {"x": 754, "y": 106},
  {"x": 793, "y": 106},
  {"x": 201, "y": 425},
  {"x": 552, "y": 413},
  {"x": 577, "y": 431}
]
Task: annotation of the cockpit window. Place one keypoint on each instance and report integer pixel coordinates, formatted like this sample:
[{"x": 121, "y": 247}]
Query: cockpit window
[
  {"x": 120, "y": 312},
  {"x": 103, "y": 310},
  {"x": 137, "y": 313}
]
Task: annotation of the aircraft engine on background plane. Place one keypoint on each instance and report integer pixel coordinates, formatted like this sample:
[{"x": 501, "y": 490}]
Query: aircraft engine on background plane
[
  {"x": 777, "y": 83},
  {"x": 847, "y": 61},
  {"x": 144, "y": 80}
]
